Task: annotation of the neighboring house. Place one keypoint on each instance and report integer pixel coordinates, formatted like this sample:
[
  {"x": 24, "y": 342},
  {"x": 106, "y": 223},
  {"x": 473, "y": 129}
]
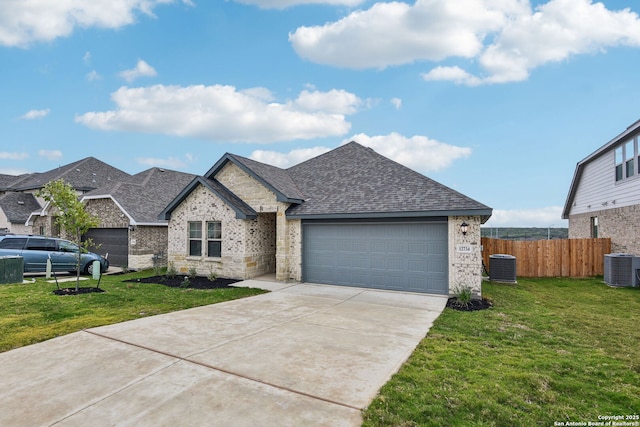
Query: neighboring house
[
  {"x": 604, "y": 197},
  {"x": 129, "y": 230},
  {"x": 15, "y": 210},
  {"x": 20, "y": 194},
  {"x": 348, "y": 217}
]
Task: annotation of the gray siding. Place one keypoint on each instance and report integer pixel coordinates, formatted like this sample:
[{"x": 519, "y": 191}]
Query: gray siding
[{"x": 598, "y": 189}]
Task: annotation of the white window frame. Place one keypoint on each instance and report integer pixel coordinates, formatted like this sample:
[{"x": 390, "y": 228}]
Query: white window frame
[{"x": 214, "y": 235}]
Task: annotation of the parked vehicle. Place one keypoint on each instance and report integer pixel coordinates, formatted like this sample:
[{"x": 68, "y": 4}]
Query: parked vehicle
[{"x": 36, "y": 250}]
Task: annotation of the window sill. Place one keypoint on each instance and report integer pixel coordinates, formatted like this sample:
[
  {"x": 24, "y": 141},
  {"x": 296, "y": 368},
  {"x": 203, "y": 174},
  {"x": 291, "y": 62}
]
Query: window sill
[{"x": 203, "y": 258}]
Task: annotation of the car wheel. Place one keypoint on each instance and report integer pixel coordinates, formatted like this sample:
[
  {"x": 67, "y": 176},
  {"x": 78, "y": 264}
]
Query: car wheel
[{"x": 89, "y": 269}]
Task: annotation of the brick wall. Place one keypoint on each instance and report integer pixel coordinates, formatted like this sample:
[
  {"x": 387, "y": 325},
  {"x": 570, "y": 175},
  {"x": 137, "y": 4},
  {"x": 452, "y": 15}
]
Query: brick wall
[
  {"x": 465, "y": 268},
  {"x": 145, "y": 243},
  {"x": 619, "y": 224},
  {"x": 107, "y": 212}
]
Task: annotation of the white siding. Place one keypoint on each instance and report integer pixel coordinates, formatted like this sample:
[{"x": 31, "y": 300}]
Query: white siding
[{"x": 598, "y": 189}]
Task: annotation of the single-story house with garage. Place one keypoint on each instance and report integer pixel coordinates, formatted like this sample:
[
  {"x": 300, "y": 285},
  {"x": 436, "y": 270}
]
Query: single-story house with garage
[
  {"x": 129, "y": 229},
  {"x": 348, "y": 217},
  {"x": 22, "y": 211},
  {"x": 604, "y": 196}
]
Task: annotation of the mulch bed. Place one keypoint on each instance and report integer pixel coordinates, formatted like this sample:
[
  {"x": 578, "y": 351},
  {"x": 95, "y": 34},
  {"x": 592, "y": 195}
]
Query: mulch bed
[
  {"x": 473, "y": 305},
  {"x": 197, "y": 282},
  {"x": 72, "y": 291}
]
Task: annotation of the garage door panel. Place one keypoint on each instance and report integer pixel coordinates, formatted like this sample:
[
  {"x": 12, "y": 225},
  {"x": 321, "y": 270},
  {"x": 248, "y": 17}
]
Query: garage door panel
[
  {"x": 114, "y": 241},
  {"x": 397, "y": 256}
]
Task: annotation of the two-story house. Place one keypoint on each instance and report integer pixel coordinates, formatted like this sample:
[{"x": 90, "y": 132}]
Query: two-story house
[{"x": 604, "y": 197}]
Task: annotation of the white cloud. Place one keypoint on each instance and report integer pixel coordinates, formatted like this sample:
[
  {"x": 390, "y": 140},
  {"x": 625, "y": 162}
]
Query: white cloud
[
  {"x": 142, "y": 69},
  {"x": 398, "y": 33},
  {"x": 93, "y": 75},
  {"x": 454, "y": 74},
  {"x": 27, "y": 21},
  {"x": 417, "y": 152},
  {"x": 284, "y": 160},
  {"x": 13, "y": 171},
  {"x": 505, "y": 38},
  {"x": 5, "y": 155},
  {"x": 50, "y": 154},
  {"x": 397, "y": 102},
  {"x": 86, "y": 58},
  {"x": 334, "y": 101},
  {"x": 222, "y": 113},
  {"x": 282, "y": 4},
  {"x": 35, "y": 114},
  {"x": 540, "y": 217},
  {"x": 169, "y": 163}
]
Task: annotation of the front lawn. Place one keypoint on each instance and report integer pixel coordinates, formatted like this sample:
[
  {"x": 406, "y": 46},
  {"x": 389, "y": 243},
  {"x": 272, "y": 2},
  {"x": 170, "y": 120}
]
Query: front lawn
[
  {"x": 30, "y": 313},
  {"x": 550, "y": 351}
]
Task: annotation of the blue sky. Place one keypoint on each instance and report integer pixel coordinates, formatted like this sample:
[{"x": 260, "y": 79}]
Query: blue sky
[{"x": 498, "y": 99}]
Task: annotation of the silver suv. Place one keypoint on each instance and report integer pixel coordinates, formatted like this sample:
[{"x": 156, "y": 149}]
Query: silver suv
[{"x": 36, "y": 250}]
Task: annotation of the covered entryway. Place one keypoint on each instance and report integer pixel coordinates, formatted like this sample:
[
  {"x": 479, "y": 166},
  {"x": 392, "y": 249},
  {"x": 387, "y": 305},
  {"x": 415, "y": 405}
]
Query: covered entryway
[
  {"x": 114, "y": 241},
  {"x": 403, "y": 256}
]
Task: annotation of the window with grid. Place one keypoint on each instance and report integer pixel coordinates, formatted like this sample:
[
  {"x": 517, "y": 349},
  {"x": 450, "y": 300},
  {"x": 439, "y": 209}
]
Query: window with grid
[
  {"x": 619, "y": 162},
  {"x": 629, "y": 156},
  {"x": 195, "y": 238},
  {"x": 214, "y": 239}
]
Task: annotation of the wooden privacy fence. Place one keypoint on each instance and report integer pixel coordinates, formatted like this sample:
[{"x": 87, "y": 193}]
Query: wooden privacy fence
[{"x": 551, "y": 258}]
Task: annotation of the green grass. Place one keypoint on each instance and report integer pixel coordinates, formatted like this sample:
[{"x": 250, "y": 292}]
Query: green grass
[
  {"x": 30, "y": 313},
  {"x": 550, "y": 350}
]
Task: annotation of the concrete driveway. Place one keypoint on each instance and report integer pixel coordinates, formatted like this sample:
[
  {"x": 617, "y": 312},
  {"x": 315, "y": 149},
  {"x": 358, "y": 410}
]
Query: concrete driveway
[{"x": 301, "y": 355}]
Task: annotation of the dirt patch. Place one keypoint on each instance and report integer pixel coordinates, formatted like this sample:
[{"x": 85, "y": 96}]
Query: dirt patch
[
  {"x": 192, "y": 282},
  {"x": 80, "y": 291},
  {"x": 473, "y": 305}
]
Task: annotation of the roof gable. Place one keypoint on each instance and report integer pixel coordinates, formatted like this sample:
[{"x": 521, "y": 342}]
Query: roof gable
[
  {"x": 273, "y": 178},
  {"x": 631, "y": 131},
  {"x": 145, "y": 195},
  {"x": 17, "y": 207},
  {"x": 355, "y": 181},
  {"x": 242, "y": 210}
]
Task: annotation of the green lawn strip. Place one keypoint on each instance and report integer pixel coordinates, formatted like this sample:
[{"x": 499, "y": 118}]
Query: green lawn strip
[
  {"x": 549, "y": 350},
  {"x": 31, "y": 313}
]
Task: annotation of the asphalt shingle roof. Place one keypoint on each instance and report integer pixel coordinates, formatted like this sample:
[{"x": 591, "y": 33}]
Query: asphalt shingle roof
[
  {"x": 353, "y": 180},
  {"x": 85, "y": 174},
  {"x": 18, "y": 206},
  {"x": 6, "y": 181},
  {"x": 144, "y": 195}
]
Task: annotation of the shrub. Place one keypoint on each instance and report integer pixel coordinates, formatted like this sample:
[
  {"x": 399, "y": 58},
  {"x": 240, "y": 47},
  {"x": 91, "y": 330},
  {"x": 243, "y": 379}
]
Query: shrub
[
  {"x": 171, "y": 271},
  {"x": 193, "y": 272}
]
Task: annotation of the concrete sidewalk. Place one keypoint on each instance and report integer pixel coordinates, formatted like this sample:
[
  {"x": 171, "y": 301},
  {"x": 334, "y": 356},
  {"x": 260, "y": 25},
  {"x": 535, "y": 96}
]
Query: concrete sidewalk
[{"x": 301, "y": 355}]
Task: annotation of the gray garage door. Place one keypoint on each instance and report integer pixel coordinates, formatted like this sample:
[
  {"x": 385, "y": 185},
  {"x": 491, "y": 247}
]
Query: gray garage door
[
  {"x": 406, "y": 256},
  {"x": 114, "y": 241}
]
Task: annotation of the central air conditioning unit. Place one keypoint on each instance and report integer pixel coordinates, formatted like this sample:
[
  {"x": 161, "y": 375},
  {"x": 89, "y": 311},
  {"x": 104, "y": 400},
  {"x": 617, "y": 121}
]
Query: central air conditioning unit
[
  {"x": 502, "y": 268},
  {"x": 621, "y": 270}
]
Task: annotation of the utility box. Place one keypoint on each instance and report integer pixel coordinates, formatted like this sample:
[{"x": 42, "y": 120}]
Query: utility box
[
  {"x": 11, "y": 269},
  {"x": 502, "y": 268}
]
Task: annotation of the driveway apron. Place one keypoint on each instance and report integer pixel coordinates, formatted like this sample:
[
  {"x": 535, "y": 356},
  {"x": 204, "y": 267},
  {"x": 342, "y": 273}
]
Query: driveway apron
[{"x": 303, "y": 354}]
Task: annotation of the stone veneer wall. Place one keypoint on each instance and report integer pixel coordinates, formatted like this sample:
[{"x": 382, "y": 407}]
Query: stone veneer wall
[
  {"x": 465, "y": 268},
  {"x": 619, "y": 224},
  {"x": 295, "y": 249},
  {"x": 262, "y": 200}
]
